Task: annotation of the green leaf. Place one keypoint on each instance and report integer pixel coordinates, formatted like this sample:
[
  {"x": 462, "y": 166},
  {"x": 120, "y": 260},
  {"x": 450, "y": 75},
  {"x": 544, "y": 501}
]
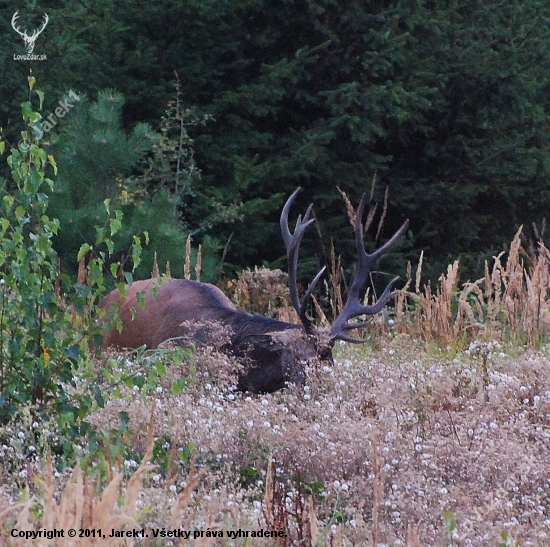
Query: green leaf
[
  {"x": 98, "y": 396},
  {"x": 51, "y": 159},
  {"x": 39, "y": 153},
  {"x": 40, "y": 97},
  {"x": 85, "y": 248},
  {"x": 115, "y": 225}
]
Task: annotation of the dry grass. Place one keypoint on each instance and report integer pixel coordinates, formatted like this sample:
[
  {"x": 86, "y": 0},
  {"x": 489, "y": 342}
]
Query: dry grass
[
  {"x": 386, "y": 448},
  {"x": 438, "y": 437},
  {"x": 79, "y": 507},
  {"x": 263, "y": 291},
  {"x": 511, "y": 302}
]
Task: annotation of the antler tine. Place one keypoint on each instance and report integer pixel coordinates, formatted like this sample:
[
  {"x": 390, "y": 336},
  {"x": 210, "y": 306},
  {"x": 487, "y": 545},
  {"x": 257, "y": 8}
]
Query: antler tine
[
  {"x": 38, "y": 31},
  {"x": 14, "y": 21},
  {"x": 353, "y": 306},
  {"x": 292, "y": 244}
]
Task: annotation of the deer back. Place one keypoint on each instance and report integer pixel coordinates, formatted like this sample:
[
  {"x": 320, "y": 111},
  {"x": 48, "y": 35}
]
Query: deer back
[
  {"x": 274, "y": 352},
  {"x": 153, "y": 310}
]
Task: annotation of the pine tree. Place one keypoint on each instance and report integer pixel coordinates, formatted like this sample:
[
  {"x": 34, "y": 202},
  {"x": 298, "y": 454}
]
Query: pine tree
[{"x": 94, "y": 154}]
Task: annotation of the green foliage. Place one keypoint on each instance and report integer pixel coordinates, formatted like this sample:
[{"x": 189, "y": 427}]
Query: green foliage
[
  {"x": 169, "y": 181},
  {"x": 93, "y": 153},
  {"x": 96, "y": 158},
  {"x": 144, "y": 372},
  {"x": 171, "y": 164},
  {"x": 164, "y": 453},
  {"x": 43, "y": 341},
  {"x": 249, "y": 476},
  {"x": 447, "y": 102},
  {"x": 96, "y": 151},
  {"x": 39, "y": 352},
  {"x": 450, "y": 526},
  {"x": 109, "y": 446}
]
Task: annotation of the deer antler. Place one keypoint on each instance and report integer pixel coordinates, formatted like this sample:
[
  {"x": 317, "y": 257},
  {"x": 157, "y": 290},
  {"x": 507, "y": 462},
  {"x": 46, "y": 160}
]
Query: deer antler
[
  {"x": 46, "y": 19},
  {"x": 353, "y": 307},
  {"x": 292, "y": 244},
  {"x": 13, "y": 21}
]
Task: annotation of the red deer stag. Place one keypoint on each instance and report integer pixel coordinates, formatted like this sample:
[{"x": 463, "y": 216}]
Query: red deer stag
[{"x": 276, "y": 352}]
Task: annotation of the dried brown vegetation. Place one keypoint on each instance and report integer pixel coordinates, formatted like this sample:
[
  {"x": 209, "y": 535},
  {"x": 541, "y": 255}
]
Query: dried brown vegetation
[
  {"x": 377, "y": 448},
  {"x": 438, "y": 437},
  {"x": 511, "y": 302}
]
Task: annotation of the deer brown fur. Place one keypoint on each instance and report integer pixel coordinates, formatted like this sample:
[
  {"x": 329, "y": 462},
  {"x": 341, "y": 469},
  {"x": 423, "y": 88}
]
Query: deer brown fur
[{"x": 275, "y": 352}]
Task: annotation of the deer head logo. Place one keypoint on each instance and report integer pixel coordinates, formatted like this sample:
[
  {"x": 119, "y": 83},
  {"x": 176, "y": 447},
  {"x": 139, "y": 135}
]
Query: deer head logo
[{"x": 29, "y": 40}]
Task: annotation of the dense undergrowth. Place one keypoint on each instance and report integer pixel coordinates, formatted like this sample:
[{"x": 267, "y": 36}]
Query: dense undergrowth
[
  {"x": 435, "y": 432},
  {"x": 406, "y": 440},
  {"x": 395, "y": 446}
]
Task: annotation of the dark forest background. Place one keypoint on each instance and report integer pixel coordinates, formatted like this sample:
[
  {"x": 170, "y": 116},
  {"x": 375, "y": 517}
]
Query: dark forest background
[{"x": 202, "y": 116}]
